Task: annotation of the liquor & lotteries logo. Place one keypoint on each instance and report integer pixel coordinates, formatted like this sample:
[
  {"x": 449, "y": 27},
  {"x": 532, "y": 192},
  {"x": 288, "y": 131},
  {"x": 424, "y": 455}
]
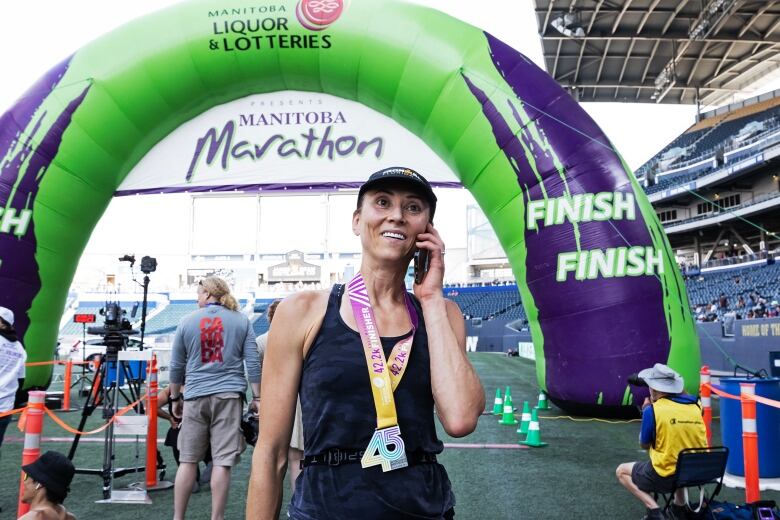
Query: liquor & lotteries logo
[{"x": 317, "y": 15}]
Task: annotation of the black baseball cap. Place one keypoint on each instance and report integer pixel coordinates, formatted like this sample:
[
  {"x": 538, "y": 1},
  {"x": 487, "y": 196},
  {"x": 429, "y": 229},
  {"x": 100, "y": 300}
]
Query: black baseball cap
[{"x": 411, "y": 178}]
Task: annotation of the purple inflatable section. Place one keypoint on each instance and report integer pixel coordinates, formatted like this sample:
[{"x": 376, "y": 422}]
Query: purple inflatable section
[
  {"x": 19, "y": 270},
  {"x": 584, "y": 323}
]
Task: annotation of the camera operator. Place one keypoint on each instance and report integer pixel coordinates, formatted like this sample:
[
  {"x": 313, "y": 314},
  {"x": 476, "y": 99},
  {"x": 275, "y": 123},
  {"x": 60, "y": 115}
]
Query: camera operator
[
  {"x": 212, "y": 347},
  {"x": 671, "y": 422}
]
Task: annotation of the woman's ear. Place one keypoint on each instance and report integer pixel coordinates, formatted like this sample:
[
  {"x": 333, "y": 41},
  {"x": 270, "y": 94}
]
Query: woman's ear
[{"x": 356, "y": 222}]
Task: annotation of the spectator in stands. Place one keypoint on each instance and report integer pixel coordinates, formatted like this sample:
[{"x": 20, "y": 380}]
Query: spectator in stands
[
  {"x": 728, "y": 322},
  {"x": 295, "y": 452},
  {"x": 723, "y": 301},
  {"x": 671, "y": 422},
  {"x": 750, "y": 315},
  {"x": 45, "y": 487},
  {"x": 315, "y": 347},
  {"x": 740, "y": 301},
  {"x": 12, "y": 358},
  {"x": 212, "y": 348}
]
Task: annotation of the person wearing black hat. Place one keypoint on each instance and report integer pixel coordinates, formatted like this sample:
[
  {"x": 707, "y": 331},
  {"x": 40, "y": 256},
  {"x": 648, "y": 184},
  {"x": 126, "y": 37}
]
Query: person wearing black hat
[
  {"x": 370, "y": 361},
  {"x": 45, "y": 488},
  {"x": 671, "y": 422}
]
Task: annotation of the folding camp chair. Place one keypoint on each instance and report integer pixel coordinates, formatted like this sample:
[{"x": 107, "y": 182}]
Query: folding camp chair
[{"x": 697, "y": 467}]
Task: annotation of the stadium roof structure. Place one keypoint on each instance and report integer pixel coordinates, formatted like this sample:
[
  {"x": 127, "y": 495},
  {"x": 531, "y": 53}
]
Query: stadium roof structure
[{"x": 659, "y": 51}]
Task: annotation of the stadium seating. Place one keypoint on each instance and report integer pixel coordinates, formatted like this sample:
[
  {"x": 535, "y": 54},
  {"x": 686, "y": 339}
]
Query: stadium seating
[
  {"x": 77, "y": 329},
  {"x": 169, "y": 318},
  {"x": 703, "y": 140},
  {"x": 260, "y": 325},
  {"x": 682, "y": 141},
  {"x": 678, "y": 179},
  {"x": 503, "y": 302},
  {"x": 724, "y": 133},
  {"x": 492, "y": 302},
  {"x": 763, "y": 280}
]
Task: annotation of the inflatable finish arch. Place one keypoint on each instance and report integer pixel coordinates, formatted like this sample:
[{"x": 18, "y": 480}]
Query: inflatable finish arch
[{"x": 596, "y": 275}]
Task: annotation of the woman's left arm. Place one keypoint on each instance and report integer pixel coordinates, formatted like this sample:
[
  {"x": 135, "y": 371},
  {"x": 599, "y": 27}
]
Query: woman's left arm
[{"x": 457, "y": 391}]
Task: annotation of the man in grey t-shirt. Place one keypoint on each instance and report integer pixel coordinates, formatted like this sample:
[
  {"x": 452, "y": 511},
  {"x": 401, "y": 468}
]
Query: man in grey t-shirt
[{"x": 213, "y": 348}]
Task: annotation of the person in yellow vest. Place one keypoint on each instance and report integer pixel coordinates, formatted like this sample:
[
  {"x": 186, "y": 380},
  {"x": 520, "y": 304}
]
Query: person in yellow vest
[{"x": 671, "y": 422}]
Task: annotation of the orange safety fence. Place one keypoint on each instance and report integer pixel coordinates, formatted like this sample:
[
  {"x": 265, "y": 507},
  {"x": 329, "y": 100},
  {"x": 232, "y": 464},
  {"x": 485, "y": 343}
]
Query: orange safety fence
[
  {"x": 764, "y": 400},
  {"x": 44, "y": 363},
  {"x": 757, "y": 398},
  {"x": 74, "y": 431},
  {"x": 65, "y": 426},
  {"x": 12, "y": 412}
]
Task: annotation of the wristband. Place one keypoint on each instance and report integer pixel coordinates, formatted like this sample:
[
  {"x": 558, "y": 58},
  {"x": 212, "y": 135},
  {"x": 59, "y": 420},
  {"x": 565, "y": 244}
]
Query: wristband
[{"x": 177, "y": 398}]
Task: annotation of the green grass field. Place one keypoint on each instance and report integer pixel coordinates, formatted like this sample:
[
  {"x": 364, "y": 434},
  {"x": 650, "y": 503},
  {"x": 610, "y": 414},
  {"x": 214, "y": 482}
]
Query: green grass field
[{"x": 573, "y": 477}]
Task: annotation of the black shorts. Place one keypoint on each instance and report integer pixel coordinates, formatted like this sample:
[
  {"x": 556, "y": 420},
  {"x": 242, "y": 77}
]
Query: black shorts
[{"x": 644, "y": 476}]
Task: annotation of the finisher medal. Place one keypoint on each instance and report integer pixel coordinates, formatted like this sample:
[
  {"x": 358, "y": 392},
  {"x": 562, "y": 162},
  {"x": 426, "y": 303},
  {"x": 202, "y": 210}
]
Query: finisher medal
[{"x": 384, "y": 376}]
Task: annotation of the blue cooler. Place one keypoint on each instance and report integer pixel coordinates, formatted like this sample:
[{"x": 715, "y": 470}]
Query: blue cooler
[
  {"x": 137, "y": 372},
  {"x": 767, "y": 426}
]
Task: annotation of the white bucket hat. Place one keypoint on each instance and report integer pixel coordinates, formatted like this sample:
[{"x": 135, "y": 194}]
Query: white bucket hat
[
  {"x": 662, "y": 379},
  {"x": 7, "y": 315}
]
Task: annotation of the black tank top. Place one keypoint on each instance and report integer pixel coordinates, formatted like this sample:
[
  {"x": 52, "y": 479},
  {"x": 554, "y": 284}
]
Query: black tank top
[{"x": 338, "y": 412}]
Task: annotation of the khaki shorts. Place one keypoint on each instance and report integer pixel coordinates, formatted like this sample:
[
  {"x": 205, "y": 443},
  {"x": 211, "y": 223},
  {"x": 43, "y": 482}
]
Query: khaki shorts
[{"x": 213, "y": 420}]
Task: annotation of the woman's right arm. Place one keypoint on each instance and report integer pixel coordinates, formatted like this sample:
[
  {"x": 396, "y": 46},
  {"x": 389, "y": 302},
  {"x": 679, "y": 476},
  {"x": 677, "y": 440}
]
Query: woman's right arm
[{"x": 296, "y": 322}]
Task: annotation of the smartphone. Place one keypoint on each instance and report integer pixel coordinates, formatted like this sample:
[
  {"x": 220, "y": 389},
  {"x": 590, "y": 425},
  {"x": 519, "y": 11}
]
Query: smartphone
[{"x": 422, "y": 261}]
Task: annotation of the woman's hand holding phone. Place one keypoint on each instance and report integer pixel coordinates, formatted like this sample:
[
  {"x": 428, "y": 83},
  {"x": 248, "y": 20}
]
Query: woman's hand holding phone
[
  {"x": 422, "y": 262},
  {"x": 429, "y": 281}
]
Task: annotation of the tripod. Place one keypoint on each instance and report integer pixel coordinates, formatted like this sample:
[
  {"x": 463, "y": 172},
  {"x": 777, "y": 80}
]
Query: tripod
[
  {"x": 143, "y": 308},
  {"x": 104, "y": 392}
]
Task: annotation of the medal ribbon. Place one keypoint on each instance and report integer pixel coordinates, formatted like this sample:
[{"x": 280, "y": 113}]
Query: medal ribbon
[{"x": 385, "y": 375}]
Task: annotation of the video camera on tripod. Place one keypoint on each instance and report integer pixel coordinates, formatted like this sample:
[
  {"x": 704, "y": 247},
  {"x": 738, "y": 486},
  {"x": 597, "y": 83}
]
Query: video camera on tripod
[
  {"x": 116, "y": 376},
  {"x": 113, "y": 321}
]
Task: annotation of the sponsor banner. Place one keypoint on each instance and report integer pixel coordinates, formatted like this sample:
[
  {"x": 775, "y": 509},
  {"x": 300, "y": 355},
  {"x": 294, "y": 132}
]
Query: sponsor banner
[
  {"x": 294, "y": 269},
  {"x": 525, "y": 349},
  {"x": 289, "y": 139}
]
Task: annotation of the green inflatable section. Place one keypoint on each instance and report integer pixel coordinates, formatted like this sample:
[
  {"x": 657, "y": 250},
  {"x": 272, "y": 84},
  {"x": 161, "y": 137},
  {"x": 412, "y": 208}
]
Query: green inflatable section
[{"x": 513, "y": 136}]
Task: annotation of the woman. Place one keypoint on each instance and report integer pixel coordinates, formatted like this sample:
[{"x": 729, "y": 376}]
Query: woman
[
  {"x": 346, "y": 378},
  {"x": 45, "y": 487}
]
